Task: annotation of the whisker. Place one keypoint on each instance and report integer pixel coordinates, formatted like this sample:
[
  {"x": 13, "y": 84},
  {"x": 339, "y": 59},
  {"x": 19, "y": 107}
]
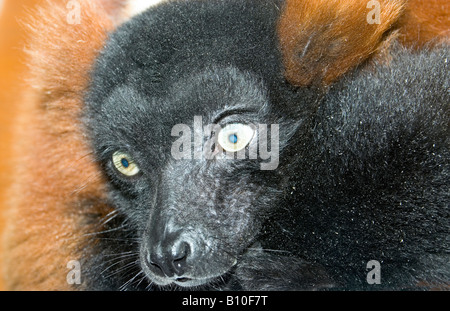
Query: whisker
[
  {"x": 110, "y": 216},
  {"x": 103, "y": 231},
  {"x": 123, "y": 287},
  {"x": 142, "y": 279},
  {"x": 120, "y": 258},
  {"x": 121, "y": 269},
  {"x": 92, "y": 178}
]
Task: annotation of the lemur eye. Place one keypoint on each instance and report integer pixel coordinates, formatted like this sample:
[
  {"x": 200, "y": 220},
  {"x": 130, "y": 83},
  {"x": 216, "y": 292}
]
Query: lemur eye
[
  {"x": 125, "y": 164},
  {"x": 235, "y": 137}
]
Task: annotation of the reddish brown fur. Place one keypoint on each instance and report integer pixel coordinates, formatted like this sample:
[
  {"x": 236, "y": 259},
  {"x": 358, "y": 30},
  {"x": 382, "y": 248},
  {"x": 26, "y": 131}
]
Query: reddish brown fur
[
  {"x": 323, "y": 39},
  {"x": 54, "y": 171},
  {"x": 425, "y": 21}
]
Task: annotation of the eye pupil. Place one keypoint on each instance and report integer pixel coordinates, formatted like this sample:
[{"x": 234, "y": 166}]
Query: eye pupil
[
  {"x": 233, "y": 138},
  {"x": 125, "y": 162}
]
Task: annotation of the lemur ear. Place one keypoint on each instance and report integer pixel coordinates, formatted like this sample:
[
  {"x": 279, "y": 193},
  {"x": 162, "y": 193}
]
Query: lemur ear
[{"x": 323, "y": 39}]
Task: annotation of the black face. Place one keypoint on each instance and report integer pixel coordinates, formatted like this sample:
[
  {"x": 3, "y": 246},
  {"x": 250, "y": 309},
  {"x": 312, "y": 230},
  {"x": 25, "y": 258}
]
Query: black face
[
  {"x": 171, "y": 173},
  {"x": 169, "y": 103}
]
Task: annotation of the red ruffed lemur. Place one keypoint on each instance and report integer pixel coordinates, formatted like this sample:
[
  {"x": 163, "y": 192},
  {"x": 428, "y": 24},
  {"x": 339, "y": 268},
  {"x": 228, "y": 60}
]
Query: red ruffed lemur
[{"x": 352, "y": 98}]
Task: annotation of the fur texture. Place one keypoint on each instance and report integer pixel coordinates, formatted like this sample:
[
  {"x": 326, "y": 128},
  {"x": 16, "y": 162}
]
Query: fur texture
[
  {"x": 374, "y": 181},
  {"x": 368, "y": 162},
  {"x": 321, "y": 40},
  {"x": 425, "y": 22},
  {"x": 57, "y": 184}
]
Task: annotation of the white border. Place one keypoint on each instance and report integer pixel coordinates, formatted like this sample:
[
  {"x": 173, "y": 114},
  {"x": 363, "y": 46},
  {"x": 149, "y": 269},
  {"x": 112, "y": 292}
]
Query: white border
[{"x": 135, "y": 7}]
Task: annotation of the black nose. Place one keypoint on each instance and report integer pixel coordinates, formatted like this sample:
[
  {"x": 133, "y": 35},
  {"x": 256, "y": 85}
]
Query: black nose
[{"x": 169, "y": 259}]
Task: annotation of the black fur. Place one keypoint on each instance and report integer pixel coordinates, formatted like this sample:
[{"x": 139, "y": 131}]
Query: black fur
[
  {"x": 362, "y": 172},
  {"x": 373, "y": 179}
]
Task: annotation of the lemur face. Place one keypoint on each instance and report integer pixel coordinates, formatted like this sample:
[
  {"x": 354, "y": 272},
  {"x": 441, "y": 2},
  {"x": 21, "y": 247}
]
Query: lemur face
[
  {"x": 184, "y": 126},
  {"x": 181, "y": 168}
]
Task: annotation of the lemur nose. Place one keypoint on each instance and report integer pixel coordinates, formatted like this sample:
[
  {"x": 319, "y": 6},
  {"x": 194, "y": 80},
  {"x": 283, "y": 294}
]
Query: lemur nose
[{"x": 170, "y": 260}]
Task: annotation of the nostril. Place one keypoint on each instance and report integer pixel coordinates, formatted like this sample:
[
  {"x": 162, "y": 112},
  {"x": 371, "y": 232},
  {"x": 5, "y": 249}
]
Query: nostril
[
  {"x": 181, "y": 251},
  {"x": 173, "y": 261},
  {"x": 180, "y": 255},
  {"x": 157, "y": 267}
]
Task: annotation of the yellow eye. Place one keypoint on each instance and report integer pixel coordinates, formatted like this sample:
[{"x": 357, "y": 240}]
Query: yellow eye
[
  {"x": 235, "y": 137},
  {"x": 125, "y": 164}
]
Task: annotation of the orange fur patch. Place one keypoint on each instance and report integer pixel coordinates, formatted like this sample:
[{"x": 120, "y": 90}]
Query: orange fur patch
[
  {"x": 425, "y": 22},
  {"x": 54, "y": 171},
  {"x": 322, "y": 39}
]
